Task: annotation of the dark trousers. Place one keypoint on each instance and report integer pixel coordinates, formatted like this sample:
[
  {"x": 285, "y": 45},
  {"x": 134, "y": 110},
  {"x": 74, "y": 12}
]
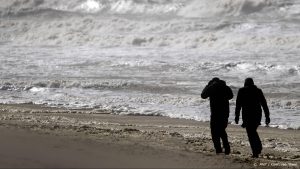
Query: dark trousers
[
  {"x": 218, "y": 132},
  {"x": 254, "y": 139}
]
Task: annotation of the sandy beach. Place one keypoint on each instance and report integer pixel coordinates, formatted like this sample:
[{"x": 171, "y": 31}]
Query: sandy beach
[
  {"x": 119, "y": 83},
  {"x": 40, "y": 137}
]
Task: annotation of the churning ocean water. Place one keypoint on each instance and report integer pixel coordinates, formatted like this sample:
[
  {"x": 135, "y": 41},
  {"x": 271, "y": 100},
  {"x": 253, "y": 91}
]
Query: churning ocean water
[{"x": 149, "y": 57}]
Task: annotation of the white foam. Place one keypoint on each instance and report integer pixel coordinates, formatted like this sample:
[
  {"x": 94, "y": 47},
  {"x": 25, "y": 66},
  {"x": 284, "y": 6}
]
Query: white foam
[
  {"x": 91, "y": 6},
  {"x": 37, "y": 89},
  {"x": 175, "y": 34}
]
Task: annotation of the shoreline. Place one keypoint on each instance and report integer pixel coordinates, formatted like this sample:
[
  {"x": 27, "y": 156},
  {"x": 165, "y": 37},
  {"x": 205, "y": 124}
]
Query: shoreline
[
  {"x": 147, "y": 133},
  {"x": 39, "y": 108}
]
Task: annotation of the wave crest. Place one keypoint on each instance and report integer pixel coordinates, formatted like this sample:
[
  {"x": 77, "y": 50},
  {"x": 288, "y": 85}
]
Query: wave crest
[
  {"x": 205, "y": 8},
  {"x": 186, "y": 8},
  {"x": 93, "y": 6}
]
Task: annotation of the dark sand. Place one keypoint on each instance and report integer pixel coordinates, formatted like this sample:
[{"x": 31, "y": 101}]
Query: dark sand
[
  {"x": 38, "y": 137},
  {"x": 22, "y": 148}
]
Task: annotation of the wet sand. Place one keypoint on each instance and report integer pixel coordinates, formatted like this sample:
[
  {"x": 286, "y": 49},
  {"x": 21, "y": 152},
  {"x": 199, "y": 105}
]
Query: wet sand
[
  {"x": 26, "y": 149},
  {"x": 42, "y": 137}
]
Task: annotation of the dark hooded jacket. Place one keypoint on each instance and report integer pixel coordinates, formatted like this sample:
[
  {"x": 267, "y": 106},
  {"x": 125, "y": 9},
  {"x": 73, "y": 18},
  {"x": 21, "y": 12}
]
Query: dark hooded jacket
[
  {"x": 219, "y": 95},
  {"x": 250, "y": 99}
]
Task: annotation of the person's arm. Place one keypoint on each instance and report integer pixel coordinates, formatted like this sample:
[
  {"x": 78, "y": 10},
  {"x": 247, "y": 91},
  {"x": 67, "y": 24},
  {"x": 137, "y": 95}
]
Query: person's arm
[
  {"x": 207, "y": 90},
  {"x": 238, "y": 107},
  {"x": 229, "y": 93},
  {"x": 205, "y": 93},
  {"x": 264, "y": 104}
]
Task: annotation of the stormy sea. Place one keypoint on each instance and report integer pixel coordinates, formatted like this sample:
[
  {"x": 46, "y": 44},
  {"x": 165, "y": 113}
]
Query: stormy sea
[{"x": 149, "y": 57}]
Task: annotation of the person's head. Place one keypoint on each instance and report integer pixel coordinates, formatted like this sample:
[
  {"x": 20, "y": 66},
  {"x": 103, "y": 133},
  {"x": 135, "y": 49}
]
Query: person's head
[
  {"x": 249, "y": 82},
  {"x": 213, "y": 80}
]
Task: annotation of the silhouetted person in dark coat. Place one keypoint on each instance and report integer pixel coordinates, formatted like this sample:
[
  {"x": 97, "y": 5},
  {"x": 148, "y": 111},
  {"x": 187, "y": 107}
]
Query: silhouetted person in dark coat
[
  {"x": 219, "y": 95},
  {"x": 250, "y": 99}
]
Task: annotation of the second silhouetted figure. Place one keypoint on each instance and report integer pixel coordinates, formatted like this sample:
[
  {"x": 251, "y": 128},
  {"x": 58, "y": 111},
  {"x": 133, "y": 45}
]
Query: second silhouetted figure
[
  {"x": 250, "y": 99},
  {"x": 219, "y": 95}
]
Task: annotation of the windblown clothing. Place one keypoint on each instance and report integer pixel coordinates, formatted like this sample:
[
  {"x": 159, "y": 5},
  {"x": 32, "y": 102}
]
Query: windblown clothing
[{"x": 219, "y": 95}]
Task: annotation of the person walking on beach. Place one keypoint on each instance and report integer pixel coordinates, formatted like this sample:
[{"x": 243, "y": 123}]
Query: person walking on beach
[
  {"x": 250, "y": 99},
  {"x": 219, "y": 95}
]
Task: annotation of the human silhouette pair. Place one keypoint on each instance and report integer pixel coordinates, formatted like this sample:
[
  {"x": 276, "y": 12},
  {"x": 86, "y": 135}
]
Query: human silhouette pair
[{"x": 250, "y": 99}]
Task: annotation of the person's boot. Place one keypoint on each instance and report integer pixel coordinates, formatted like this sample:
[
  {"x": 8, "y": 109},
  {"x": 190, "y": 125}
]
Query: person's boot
[
  {"x": 219, "y": 151},
  {"x": 227, "y": 151}
]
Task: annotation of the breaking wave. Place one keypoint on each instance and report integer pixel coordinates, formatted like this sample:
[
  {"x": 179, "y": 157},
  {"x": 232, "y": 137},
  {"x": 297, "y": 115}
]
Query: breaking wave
[
  {"x": 159, "y": 94},
  {"x": 186, "y": 8},
  {"x": 244, "y": 24},
  {"x": 156, "y": 7}
]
